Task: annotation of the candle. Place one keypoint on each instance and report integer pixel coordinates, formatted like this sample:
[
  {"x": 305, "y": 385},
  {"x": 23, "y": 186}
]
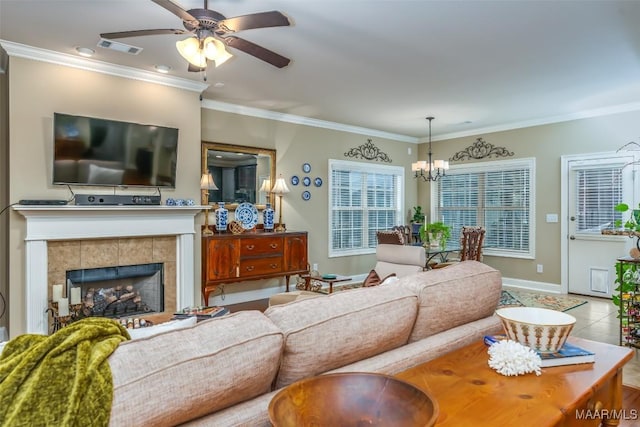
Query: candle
[
  {"x": 56, "y": 293},
  {"x": 63, "y": 307},
  {"x": 75, "y": 295}
]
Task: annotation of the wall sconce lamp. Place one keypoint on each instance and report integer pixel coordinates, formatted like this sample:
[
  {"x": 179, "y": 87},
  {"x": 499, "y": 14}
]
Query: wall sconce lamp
[
  {"x": 280, "y": 188},
  {"x": 206, "y": 184}
]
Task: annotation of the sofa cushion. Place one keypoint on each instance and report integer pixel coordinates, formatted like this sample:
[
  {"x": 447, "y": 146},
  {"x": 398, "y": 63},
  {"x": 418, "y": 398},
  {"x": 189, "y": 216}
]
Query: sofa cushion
[
  {"x": 180, "y": 375},
  {"x": 326, "y": 333},
  {"x": 452, "y": 296}
]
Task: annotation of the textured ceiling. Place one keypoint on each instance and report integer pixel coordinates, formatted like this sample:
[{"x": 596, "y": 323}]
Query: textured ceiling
[{"x": 476, "y": 66}]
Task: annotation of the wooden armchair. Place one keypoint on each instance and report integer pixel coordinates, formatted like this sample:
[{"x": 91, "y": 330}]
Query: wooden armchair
[
  {"x": 398, "y": 235},
  {"x": 471, "y": 240}
]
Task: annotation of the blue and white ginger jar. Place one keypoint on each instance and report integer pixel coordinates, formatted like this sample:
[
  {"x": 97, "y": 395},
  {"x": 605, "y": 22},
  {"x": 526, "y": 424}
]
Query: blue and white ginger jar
[
  {"x": 267, "y": 217},
  {"x": 222, "y": 215}
]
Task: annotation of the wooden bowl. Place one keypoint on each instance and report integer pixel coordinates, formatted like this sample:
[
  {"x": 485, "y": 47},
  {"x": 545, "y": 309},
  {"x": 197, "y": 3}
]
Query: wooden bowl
[{"x": 352, "y": 399}]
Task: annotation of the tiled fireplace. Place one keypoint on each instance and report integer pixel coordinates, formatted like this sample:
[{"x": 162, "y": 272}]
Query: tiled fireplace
[{"x": 62, "y": 239}]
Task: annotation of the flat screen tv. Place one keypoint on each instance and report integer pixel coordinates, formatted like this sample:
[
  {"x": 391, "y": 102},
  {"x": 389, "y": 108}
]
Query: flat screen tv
[{"x": 92, "y": 151}]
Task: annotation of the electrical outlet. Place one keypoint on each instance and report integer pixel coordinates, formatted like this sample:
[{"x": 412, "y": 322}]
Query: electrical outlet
[{"x": 539, "y": 268}]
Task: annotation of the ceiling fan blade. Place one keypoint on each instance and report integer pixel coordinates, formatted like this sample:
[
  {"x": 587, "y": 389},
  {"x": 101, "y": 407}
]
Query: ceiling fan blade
[
  {"x": 176, "y": 10},
  {"x": 254, "y": 20},
  {"x": 137, "y": 33},
  {"x": 258, "y": 51}
]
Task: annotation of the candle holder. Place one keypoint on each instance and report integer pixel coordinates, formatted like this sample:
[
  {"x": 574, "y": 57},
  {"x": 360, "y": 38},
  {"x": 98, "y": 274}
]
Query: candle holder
[{"x": 59, "y": 322}]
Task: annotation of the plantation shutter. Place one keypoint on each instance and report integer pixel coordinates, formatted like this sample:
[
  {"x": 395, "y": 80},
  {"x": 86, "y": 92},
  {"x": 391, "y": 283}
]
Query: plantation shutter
[
  {"x": 363, "y": 199},
  {"x": 496, "y": 195}
]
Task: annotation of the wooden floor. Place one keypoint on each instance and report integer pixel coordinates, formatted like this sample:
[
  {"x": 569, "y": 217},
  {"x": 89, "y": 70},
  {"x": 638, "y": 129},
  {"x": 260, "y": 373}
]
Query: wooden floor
[
  {"x": 249, "y": 305},
  {"x": 630, "y": 401}
]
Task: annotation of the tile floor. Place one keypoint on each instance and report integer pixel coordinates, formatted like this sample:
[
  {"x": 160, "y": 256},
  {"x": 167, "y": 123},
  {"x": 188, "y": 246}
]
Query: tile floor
[{"x": 597, "y": 320}]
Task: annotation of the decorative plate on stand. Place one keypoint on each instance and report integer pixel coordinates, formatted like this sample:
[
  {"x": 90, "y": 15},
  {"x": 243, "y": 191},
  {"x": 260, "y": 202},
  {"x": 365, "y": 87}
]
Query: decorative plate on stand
[{"x": 247, "y": 215}]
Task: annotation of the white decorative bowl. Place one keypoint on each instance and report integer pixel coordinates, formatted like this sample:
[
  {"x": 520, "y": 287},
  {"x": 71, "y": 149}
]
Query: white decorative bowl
[{"x": 541, "y": 329}]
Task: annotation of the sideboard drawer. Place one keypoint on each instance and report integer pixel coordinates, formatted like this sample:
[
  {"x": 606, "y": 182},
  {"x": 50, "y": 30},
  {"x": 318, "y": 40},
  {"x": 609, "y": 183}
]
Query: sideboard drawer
[
  {"x": 260, "y": 266},
  {"x": 261, "y": 246}
]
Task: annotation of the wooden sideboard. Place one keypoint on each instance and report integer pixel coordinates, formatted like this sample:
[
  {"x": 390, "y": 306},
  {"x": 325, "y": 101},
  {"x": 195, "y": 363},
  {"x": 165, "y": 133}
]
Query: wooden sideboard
[{"x": 229, "y": 258}]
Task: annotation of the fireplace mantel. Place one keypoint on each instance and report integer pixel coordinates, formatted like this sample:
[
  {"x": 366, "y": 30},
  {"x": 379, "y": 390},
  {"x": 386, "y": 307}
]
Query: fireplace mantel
[{"x": 70, "y": 222}]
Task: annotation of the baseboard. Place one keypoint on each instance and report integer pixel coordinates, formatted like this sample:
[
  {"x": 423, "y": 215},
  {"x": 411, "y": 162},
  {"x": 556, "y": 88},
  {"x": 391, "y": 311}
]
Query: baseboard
[{"x": 532, "y": 286}]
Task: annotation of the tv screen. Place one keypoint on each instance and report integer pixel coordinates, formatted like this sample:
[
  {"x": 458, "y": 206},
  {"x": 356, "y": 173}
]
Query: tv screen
[{"x": 91, "y": 151}]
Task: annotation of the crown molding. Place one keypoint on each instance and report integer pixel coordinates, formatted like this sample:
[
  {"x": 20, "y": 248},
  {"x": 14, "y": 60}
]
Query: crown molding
[
  {"x": 300, "y": 120},
  {"x": 44, "y": 55},
  {"x": 597, "y": 112}
]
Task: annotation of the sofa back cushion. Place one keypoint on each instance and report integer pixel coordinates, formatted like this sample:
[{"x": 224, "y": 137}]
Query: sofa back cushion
[
  {"x": 401, "y": 260},
  {"x": 176, "y": 376},
  {"x": 452, "y": 296},
  {"x": 327, "y": 333}
]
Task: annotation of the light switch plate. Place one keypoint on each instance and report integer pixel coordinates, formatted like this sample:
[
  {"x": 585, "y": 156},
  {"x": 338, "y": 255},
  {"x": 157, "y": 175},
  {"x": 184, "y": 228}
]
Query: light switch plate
[{"x": 552, "y": 217}]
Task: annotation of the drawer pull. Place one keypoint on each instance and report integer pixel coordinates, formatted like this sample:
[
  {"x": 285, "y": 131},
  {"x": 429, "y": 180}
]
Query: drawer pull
[
  {"x": 274, "y": 266},
  {"x": 274, "y": 245},
  {"x": 250, "y": 268},
  {"x": 250, "y": 247}
]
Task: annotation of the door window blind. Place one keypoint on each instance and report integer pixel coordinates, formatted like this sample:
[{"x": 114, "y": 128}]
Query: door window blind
[{"x": 598, "y": 191}]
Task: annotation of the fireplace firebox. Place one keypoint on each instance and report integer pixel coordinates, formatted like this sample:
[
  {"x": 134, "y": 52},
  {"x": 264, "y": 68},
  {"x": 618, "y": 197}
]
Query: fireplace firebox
[{"x": 119, "y": 291}]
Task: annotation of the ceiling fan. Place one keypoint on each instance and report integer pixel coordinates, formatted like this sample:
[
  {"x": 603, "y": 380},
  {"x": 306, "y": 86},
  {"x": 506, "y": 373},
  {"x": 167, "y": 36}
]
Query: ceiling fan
[{"x": 209, "y": 33}]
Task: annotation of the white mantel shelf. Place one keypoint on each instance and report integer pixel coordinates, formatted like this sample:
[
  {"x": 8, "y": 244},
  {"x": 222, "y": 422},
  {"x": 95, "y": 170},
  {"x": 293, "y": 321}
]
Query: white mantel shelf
[
  {"x": 71, "y": 222},
  {"x": 107, "y": 221}
]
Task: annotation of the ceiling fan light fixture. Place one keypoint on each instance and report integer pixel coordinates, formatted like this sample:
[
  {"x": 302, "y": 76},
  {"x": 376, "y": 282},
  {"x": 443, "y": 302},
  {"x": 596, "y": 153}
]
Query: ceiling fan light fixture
[
  {"x": 215, "y": 51},
  {"x": 189, "y": 49}
]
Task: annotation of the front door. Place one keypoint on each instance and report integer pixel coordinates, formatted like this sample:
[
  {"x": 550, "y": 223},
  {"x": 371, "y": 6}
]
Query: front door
[{"x": 594, "y": 187}]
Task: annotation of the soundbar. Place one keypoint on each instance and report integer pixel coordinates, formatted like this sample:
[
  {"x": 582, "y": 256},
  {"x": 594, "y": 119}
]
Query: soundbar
[
  {"x": 42, "y": 202},
  {"x": 113, "y": 200}
]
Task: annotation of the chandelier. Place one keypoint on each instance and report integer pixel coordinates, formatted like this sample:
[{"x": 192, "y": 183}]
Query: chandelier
[{"x": 430, "y": 170}]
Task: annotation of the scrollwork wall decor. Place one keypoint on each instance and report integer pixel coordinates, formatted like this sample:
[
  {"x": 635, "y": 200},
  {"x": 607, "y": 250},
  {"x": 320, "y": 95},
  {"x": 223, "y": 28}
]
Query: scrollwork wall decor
[
  {"x": 479, "y": 150},
  {"x": 368, "y": 151}
]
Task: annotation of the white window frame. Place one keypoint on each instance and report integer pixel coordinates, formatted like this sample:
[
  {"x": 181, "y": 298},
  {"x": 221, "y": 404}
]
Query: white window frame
[
  {"x": 334, "y": 164},
  {"x": 498, "y": 165}
]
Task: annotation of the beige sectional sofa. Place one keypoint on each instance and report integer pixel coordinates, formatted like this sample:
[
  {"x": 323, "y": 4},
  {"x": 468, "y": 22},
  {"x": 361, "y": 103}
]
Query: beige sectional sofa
[{"x": 225, "y": 371}]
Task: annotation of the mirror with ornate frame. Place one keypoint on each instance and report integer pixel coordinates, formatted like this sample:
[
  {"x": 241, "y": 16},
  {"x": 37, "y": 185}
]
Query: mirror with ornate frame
[{"x": 239, "y": 172}]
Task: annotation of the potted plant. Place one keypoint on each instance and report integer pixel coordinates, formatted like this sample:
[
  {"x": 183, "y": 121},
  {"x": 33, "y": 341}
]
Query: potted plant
[
  {"x": 417, "y": 220},
  {"x": 435, "y": 233},
  {"x": 632, "y": 223}
]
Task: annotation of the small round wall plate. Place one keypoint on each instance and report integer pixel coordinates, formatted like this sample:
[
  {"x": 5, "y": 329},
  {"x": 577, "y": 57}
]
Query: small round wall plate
[
  {"x": 318, "y": 182},
  {"x": 306, "y": 168},
  {"x": 306, "y": 195},
  {"x": 295, "y": 180},
  {"x": 306, "y": 181}
]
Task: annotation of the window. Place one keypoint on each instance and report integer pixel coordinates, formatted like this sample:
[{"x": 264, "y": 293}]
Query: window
[
  {"x": 498, "y": 195},
  {"x": 363, "y": 198},
  {"x": 598, "y": 190}
]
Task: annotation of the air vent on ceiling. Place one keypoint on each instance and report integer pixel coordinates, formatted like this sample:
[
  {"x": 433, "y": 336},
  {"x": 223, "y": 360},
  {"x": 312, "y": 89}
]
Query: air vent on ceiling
[{"x": 120, "y": 47}]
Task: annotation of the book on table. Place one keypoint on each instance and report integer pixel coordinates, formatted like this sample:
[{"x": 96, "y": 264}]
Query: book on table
[
  {"x": 569, "y": 354},
  {"x": 201, "y": 312}
]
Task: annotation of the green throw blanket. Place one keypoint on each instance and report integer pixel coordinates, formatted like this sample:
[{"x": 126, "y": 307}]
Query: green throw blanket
[{"x": 62, "y": 379}]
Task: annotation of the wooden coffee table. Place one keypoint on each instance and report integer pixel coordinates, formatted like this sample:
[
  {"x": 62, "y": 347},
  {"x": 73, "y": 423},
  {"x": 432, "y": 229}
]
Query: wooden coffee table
[{"x": 470, "y": 393}]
